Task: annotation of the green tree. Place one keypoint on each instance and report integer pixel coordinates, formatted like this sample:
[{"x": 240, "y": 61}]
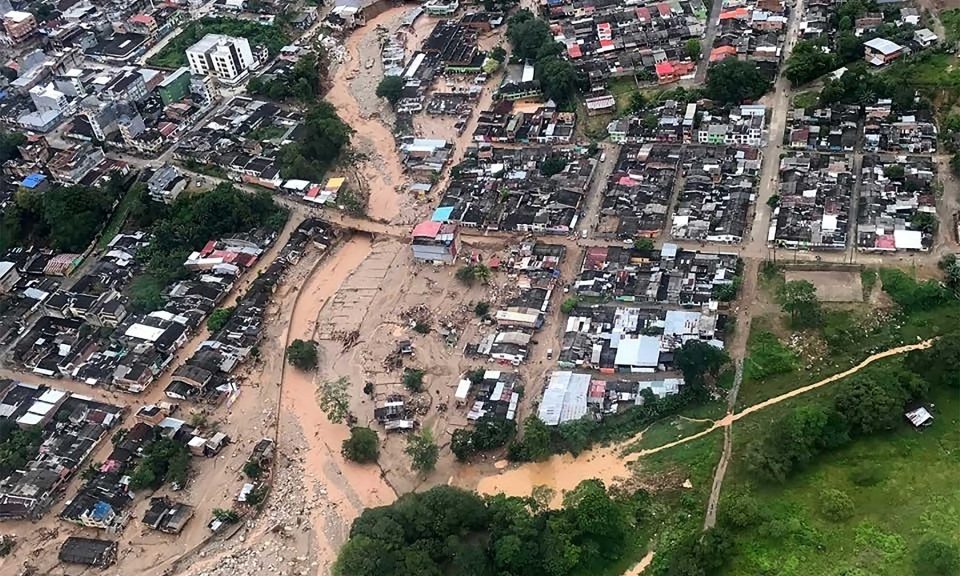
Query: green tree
[
  {"x": 334, "y": 397},
  {"x": 870, "y": 403},
  {"x": 390, "y": 88},
  {"x": 732, "y": 81},
  {"x": 558, "y": 79},
  {"x": 413, "y": 379},
  {"x": 940, "y": 363},
  {"x": 643, "y": 244},
  {"x": 569, "y": 304},
  {"x": 481, "y": 309},
  {"x": 74, "y": 215},
  {"x": 303, "y": 354},
  {"x": 362, "y": 446},
  {"x": 252, "y": 469},
  {"x": 461, "y": 444},
  {"x": 693, "y": 49},
  {"x": 798, "y": 298},
  {"x": 219, "y": 318},
  {"x": 536, "y": 439},
  {"x": 700, "y": 363},
  {"x": 9, "y": 145},
  {"x": 638, "y": 102},
  {"x": 324, "y": 137},
  {"x": 423, "y": 451},
  {"x": 553, "y": 164},
  {"x": 807, "y": 62},
  {"x": 936, "y": 557}
]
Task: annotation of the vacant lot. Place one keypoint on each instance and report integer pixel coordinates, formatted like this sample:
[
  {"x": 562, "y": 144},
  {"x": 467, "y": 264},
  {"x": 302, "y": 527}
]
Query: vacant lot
[{"x": 832, "y": 285}]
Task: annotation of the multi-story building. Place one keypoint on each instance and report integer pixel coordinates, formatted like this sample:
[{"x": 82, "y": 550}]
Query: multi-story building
[
  {"x": 71, "y": 165},
  {"x": 224, "y": 57},
  {"x": 19, "y": 25},
  {"x": 175, "y": 87}
]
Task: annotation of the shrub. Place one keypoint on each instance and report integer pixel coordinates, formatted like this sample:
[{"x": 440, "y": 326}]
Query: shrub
[
  {"x": 252, "y": 469},
  {"x": 226, "y": 516},
  {"x": 569, "y": 304},
  {"x": 836, "y": 505},
  {"x": 481, "y": 309}
]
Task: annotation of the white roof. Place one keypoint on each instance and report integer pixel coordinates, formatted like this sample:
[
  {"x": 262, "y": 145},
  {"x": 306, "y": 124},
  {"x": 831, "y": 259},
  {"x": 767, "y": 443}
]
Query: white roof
[
  {"x": 919, "y": 417},
  {"x": 144, "y": 332},
  {"x": 6, "y": 267},
  {"x": 643, "y": 351},
  {"x": 41, "y": 408},
  {"x": 883, "y": 46},
  {"x": 463, "y": 388},
  {"x": 29, "y": 419},
  {"x": 908, "y": 239},
  {"x": 52, "y": 396},
  {"x": 565, "y": 398},
  {"x": 925, "y": 33},
  {"x": 17, "y": 15}
]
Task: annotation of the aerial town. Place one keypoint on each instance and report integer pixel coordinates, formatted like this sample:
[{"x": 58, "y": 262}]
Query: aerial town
[{"x": 479, "y": 287}]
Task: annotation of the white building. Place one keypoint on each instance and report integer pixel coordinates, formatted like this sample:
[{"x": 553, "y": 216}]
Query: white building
[{"x": 224, "y": 57}]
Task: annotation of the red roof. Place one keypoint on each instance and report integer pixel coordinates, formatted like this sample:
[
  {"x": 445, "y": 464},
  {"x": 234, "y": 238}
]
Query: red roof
[
  {"x": 606, "y": 43},
  {"x": 664, "y": 9},
  {"x": 643, "y": 14},
  {"x": 886, "y": 241},
  {"x": 603, "y": 26},
  {"x": 722, "y": 52},
  {"x": 208, "y": 247},
  {"x": 664, "y": 68},
  {"x": 145, "y": 19},
  {"x": 574, "y": 51},
  {"x": 313, "y": 191},
  {"x": 427, "y": 228},
  {"x": 738, "y": 13}
]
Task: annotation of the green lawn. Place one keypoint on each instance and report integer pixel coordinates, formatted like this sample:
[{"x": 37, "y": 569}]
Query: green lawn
[
  {"x": 119, "y": 217},
  {"x": 904, "y": 487},
  {"x": 173, "y": 54},
  {"x": 668, "y": 430}
]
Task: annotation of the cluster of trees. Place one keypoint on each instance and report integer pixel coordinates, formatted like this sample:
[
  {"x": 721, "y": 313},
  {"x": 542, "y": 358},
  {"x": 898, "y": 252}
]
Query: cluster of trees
[
  {"x": 733, "y": 81},
  {"x": 858, "y": 86},
  {"x": 66, "y": 218},
  {"x": 10, "y": 143},
  {"x": 910, "y": 295},
  {"x": 553, "y": 164},
  {"x": 446, "y": 530},
  {"x": 871, "y": 401},
  {"x": 495, "y": 59},
  {"x": 324, "y": 139},
  {"x": 302, "y": 354},
  {"x": 17, "y": 447},
  {"x": 302, "y": 82},
  {"x": 413, "y": 379},
  {"x": 363, "y": 445},
  {"x": 163, "y": 461},
  {"x": 173, "y": 55},
  {"x": 190, "y": 222},
  {"x": 488, "y": 434},
  {"x": 695, "y": 554},
  {"x": 532, "y": 40}
]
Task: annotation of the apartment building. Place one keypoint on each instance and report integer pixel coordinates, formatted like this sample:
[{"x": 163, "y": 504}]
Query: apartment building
[{"x": 224, "y": 57}]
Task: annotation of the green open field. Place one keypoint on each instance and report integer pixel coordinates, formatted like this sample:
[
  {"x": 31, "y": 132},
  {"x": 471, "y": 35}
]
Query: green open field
[
  {"x": 848, "y": 335},
  {"x": 903, "y": 485}
]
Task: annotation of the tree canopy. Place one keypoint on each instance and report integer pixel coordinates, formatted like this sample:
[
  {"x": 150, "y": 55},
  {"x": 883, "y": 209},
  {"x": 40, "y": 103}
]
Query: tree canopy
[
  {"x": 807, "y": 62},
  {"x": 732, "y": 81},
  {"x": 423, "y": 451},
  {"x": 446, "y": 530},
  {"x": 301, "y": 82},
  {"x": 325, "y": 136},
  {"x": 362, "y": 446},
  {"x": 798, "y": 298},
  {"x": 532, "y": 40},
  {"x": 390, "y": 88},
  {"x": 302, "y": 354}
]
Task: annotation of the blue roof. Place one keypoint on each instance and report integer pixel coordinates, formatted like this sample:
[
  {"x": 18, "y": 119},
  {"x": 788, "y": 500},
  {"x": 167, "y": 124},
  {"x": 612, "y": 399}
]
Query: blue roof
[
  {"x": 442, "y": 214},
  {"x": 33, "y": 180},
  {"x": 101, "y": 510}
]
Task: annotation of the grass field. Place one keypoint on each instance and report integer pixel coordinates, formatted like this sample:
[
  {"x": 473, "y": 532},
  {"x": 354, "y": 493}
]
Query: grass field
[
  {"x": 903, "y": 486},
  {"x": 849, "y": 334}
]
